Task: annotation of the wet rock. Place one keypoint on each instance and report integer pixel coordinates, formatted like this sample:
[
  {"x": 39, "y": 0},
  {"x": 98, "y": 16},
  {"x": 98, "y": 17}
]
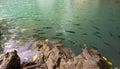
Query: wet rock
[
  {"x": 52, "y": 52},
  {"x": 10, "y": 60},
  {"x": 63, "y": 58},
  {"x": 53, "y": 55},
  {"x": 89, "y": 59}
]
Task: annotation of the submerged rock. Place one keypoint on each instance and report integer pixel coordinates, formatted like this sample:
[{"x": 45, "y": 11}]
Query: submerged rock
[
  {"x": 2, "y": 21},
  {"x": 53, "y": 55}
]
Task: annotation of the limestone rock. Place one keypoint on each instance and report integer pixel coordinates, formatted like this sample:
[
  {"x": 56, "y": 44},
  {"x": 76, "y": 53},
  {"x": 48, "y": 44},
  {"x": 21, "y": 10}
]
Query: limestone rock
[
  {"x": 10, "y": 60},
  {"x": 53, "y": 55},
  {"x": 89, "y": 59}
]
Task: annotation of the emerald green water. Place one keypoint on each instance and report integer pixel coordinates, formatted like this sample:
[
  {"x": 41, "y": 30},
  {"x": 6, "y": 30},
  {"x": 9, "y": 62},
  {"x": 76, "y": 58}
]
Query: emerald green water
[{"x": 95, "y": 23}]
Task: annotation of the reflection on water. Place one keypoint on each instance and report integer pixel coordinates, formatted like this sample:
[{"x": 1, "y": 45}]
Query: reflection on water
[{"x": 78, "y": 23}]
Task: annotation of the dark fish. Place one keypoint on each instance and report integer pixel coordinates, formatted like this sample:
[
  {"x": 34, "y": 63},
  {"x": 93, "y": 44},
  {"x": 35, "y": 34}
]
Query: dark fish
[
  {"x": 70, "y": 31},
  {"x": 94, "y": 47},
  {"x": 98, "y": 36},
  {"x": 73, "y": 42},
  {"x": 69, "y": 21},
  {"x": 41, "y": 33},
  {"x": 117, "y": 2},
  {"x": 59, "y": 34},
  {"x": 91, "y": 21},
  {"x": 119, "y": 52},
  {"x": 77, "y": 24},
  {"x": 38, "y": 29},
  {"x": 59, "y": 38},
  {"x": 118, "y": 36},
  {"x": 110, "y": 34},
  {"x": 107, "y": 44},
  {"x": 96, "y": 33},
  {"x": 1, "y": 33},
  {"x": 47, "y": 27},
  {"x": 80, "y": 46},
  {"x": 84, "y": 34},
  {"x": 36, "y": 19},
  {"x": 112, "y": 20},
  {"x": 96, "y": 28},
  {"x": 77, "y": 16},
  {"x": 35, "y": 35}
]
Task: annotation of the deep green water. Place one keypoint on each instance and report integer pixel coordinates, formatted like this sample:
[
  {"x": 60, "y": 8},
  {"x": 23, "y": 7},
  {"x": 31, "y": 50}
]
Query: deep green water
[{"x": 95, "y": 23}]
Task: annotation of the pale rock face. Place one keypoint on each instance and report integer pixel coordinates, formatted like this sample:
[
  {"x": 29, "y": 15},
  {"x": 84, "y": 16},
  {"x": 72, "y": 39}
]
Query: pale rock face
[{"x": 51, "y": 56}]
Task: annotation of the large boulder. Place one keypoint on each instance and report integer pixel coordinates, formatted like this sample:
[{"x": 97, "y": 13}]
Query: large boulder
[
  {"x": 52, "y": 52},
  {"x": 10, "y": 60}
]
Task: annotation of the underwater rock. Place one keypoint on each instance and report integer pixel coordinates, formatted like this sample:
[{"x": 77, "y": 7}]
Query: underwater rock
[
  {"x": 10, "y": 60},
  {"x": 2, "y": 21}
]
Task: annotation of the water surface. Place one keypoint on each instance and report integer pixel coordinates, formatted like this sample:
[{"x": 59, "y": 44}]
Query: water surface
[{"x": 78, "y": 23}]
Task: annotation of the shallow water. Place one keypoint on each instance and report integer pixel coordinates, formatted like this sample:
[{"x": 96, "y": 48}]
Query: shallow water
[{"x": 78, "y": 23}]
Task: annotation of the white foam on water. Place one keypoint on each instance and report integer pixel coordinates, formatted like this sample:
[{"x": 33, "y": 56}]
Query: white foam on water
[{"x": 23, "y": 49}]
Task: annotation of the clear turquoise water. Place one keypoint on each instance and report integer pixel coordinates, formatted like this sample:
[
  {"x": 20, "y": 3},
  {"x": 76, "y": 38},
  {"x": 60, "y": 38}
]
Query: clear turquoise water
[{"x": 95, "y": 23}]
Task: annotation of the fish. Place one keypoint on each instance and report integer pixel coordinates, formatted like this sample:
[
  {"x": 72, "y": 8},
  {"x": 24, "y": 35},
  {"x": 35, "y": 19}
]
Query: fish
[
  {"x": 119, "y": 53},
  {"x": 59, "y": 34},
  {"x": 1, "y": 33},
  {"x": 94, "y": 47},
  {"x": 47, "y": 27},
  {"x": 36, "y": 19},
  {"x": 74, "y": 43},
  {"x": 110, "y": 34},
  {"x": 37, "y": 29},
  {"x": 96, "y": 28},
  {"x": 91, "y": 21},
  {"x": 77, "y": 24},
  {"x": 96, "y": 33},
  {"x": 35, "y": 35},
  {"x": 118, "y": 36},
  {"x": 41, "y": 33},
  {"x": 70, "y": 31},
  {"x": 59, "y": 38},
  {"x": 107, "y": 44},
  {"x": 116, "y": 2},
  {"x": 84, "y": 34},
  {"x": 69, "y": 21},
  {"x": 80, "y": 46},
  {"x": 98, "y": 36},
  {"x": 112, "y": 20}
]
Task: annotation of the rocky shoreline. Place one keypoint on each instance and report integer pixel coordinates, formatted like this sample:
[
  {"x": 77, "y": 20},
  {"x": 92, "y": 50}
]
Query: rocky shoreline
[{"x": 53, "y": 55}]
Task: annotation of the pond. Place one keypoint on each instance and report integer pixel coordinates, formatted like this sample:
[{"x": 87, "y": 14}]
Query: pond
[{"x": 77, "y": 23}]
